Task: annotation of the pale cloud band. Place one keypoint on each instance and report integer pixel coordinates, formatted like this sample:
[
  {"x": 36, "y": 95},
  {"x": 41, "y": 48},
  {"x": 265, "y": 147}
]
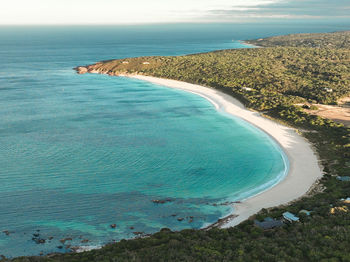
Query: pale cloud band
[
  {"x": 163, "y": 11},
  {"x": 311, "y": 9}
]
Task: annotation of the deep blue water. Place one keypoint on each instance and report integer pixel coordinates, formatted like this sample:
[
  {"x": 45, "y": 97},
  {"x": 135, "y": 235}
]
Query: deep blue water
[{"x": 81, "y": 152}]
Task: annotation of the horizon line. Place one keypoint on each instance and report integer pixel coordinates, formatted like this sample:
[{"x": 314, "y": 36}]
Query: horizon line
[{"x": 174, "y": 23}]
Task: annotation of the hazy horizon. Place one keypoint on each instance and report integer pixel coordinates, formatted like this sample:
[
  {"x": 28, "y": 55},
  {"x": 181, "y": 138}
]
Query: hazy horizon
[{"x": 136, "y": 12}]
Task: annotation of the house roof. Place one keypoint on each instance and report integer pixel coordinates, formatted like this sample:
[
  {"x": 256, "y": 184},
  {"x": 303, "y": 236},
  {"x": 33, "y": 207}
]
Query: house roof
[
  {"x": 268, "y": 224},
  {"x": 305, "y": 212},
  {"x": 343, "y": 178},
  {"x": 290, "y": 216}
]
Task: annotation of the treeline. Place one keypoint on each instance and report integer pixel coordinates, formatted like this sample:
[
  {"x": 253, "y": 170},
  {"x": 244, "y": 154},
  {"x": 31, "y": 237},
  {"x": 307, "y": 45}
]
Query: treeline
[
  {"x": 270, "y": 80},
  {"x": 322, "y": 40}
]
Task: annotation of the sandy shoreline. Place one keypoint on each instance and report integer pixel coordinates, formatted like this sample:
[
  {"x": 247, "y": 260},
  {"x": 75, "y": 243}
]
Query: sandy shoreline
[{"x": 304, "y": 167}]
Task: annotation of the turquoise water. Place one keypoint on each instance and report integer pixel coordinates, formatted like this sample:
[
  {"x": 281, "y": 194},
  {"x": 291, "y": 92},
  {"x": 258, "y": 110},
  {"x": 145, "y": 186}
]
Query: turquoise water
[{"x": 81, "y": 152}]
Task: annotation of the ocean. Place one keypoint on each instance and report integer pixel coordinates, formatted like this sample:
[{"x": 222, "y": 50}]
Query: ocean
[{"x": 79, "y": 153}]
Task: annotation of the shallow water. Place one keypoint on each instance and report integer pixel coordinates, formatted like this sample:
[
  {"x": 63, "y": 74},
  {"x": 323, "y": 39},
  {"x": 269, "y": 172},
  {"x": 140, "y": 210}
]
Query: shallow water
[{"x": 81, "y": 152}]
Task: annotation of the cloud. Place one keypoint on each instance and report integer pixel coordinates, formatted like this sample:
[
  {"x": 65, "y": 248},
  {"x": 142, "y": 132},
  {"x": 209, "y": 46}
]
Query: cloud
[
  {"x": 288, "y": 9},
  {"x": 164, "y": 11}
]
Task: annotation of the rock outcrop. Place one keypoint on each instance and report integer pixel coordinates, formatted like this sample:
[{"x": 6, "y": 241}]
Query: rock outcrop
[{"x": 81, "y": 70}]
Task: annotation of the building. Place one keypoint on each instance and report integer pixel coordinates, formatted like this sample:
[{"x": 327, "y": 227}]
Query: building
[
  {"x": 268, "y": 223},
  {"x": 145, "y": 63},
  {"x": 344, "y": 209},
  {"x": 290, "y": 217},
  {"x": 344, "y": 178},
  {"x": 306, "y": 212}
]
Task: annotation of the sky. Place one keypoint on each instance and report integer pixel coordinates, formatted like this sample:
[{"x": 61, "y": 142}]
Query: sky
[{"x": 166, "y": 11}]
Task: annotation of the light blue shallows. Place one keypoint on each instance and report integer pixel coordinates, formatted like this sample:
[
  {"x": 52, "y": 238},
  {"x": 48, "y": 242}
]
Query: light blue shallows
[{"x": 81, "y": 152}]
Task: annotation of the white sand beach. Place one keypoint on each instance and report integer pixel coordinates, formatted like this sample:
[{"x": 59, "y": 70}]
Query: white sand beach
[{"x": 304, "y": 165}]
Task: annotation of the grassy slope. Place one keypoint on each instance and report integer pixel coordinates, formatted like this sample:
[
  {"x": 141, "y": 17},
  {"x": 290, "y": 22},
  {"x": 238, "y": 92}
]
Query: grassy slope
[{"x": 279, "y": 77}]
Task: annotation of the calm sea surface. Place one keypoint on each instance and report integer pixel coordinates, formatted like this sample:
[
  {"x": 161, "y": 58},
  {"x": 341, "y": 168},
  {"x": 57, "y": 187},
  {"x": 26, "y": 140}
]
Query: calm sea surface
[{"x": 81, "y": 152}]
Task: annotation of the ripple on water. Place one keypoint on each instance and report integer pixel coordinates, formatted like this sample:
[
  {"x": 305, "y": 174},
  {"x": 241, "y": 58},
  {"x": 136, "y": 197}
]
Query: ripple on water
[{"x": 79, "y": 153}]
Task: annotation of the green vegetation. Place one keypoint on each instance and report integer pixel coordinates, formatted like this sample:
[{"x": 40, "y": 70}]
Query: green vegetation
[
  {"x": 271, "y": 80},
  {"x": 313, "y": 107},
  {"x": 325, "y": 40},
  {"x": 262, "y": 78}
]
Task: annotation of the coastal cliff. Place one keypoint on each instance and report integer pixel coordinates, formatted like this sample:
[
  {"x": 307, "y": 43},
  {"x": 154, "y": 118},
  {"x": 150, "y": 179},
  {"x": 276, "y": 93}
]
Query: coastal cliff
[
  {"x": 92, "y": 69},
  {"x": 122, "y": 66}
]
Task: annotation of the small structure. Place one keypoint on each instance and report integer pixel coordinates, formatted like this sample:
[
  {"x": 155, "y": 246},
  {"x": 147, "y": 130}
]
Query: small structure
[
  {"x": 145, "y": 63},
  {"x": 329, "y": 90},
  {"x": 125, "y": 62},
  {"x": 306, "y": 212},
  {"x": 247, "y": 88},
  {"x": 344, "y": 178},
  {"x": 268, "y": 223},
  {"x": 339, "y": 209},
  {"x": 290, "y": 217}
]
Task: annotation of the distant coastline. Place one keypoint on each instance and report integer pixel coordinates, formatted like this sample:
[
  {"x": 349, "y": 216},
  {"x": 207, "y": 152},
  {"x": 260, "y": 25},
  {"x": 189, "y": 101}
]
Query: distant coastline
[{"x": 249, "y": 44}]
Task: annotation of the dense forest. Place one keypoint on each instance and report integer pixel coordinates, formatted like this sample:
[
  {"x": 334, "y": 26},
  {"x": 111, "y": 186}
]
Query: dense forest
[
  {"x": 325, "y": 40},
  {"x": 271, "y": 80}
]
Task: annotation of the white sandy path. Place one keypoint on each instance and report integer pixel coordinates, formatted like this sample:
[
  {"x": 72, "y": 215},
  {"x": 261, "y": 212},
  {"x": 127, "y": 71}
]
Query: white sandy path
[{"x": 304, "y": 165}]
